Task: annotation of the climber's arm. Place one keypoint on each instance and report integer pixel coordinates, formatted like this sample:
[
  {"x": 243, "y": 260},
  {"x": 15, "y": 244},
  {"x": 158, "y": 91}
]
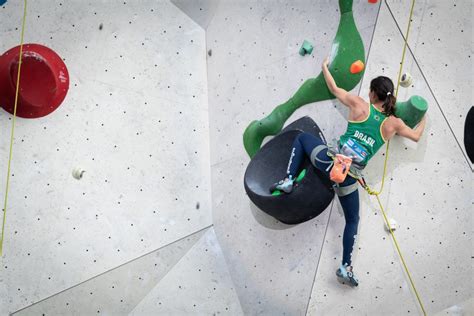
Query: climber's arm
[
  {"x": 342, "y": 95},
  {"x": 414, "y": 134}
]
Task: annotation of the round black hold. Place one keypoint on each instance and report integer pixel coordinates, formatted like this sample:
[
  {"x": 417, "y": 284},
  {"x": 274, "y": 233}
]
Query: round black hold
[
  {"x": 308, "y": 199},
  {"x": 469, "y": 134}
]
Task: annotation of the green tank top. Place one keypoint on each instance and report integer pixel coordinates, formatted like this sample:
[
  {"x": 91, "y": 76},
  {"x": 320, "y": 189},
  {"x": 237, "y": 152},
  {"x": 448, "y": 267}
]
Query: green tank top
[{"x": 362, "y": 139}]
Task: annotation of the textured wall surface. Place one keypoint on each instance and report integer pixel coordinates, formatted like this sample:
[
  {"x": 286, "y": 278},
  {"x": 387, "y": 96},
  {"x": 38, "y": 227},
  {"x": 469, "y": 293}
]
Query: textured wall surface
[
  {"x": 255, "y": 66},
  {"x": 120, "y": 290},
  {"x": 429, "y": 192},
  {"x": 135, "y": 118},
  {"x": 201, "y": 11},
  {"x": 160, "y": 224},
  {"x": 200, "y": 284},
  {"x": 442, "y": 43}
]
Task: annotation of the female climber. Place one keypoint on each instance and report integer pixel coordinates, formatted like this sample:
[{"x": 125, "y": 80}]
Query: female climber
[{"x": 370, "y": 126}]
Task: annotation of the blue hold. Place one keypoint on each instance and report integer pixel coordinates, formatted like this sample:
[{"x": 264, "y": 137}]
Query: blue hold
[{"x": 2, "y": 2}]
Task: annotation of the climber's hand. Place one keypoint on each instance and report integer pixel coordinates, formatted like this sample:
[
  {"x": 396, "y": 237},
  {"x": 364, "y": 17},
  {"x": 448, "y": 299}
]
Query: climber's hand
[{"x": 325, "y": 62}]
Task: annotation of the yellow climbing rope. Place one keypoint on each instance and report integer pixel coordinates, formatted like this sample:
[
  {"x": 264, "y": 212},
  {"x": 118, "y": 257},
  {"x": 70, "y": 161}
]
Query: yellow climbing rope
[
  {"x": 372, "y": 192},
  {"x": 13, "y": 128}
]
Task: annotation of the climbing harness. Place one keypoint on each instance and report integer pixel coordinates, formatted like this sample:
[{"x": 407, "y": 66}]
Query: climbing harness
[
  {"x": 354, "y": 168},
  {"x": 362, "y": 182},
  {"x": 341, "y": 167},
  {"x": 13, "y": 128}
]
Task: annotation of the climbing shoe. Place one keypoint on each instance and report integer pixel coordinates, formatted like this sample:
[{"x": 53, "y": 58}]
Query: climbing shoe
[
  {"x": 285, "y": 185},
  {"x": 347, "y": 276}
]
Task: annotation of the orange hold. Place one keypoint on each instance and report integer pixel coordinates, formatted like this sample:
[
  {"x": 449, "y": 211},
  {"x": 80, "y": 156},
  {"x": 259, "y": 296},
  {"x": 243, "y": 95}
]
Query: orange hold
[
  {"x": 357, "y": 67},
  {"x": 373, "y": 1}
]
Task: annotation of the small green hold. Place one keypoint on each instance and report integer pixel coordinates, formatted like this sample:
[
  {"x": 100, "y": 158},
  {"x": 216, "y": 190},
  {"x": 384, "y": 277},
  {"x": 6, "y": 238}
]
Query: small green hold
[
  {"x": 301, "y": 176},
  {"x": 347, "y": 47},
  {"x": 412, "y": 110},
  {"x": 306, "y": 48},
  {"x": 276, "y": 193}
]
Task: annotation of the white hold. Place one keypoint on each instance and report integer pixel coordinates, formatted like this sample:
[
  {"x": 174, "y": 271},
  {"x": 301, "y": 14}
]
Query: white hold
[
  {"x": 77, "y": 173},
  {"x": 406, "y": 80},
  {"x": 392, "y": 223}
]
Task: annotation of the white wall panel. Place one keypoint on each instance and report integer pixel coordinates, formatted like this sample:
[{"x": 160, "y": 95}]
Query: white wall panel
[
  {"x": 255, "y": 66},
  {"x": 135, "y": 119},
  {"x": 120, "y": 290},
  {"x": 428, "y": 191}
]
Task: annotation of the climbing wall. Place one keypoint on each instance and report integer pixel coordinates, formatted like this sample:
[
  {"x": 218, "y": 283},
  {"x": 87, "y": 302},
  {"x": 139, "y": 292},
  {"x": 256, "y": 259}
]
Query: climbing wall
[
  {"x": 291, "y": 269},
  {"x": 136, "y": 120},
  {"x": 160, "y": 94},
  {"x": 255, "y": 66},
  {"x": 428, "y": 191},
  {"x": 444, "y": 56}
]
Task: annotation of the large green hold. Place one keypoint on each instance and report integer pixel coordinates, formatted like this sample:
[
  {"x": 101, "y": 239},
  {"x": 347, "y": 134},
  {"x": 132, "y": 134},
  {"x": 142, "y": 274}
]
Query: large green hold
[
  {"x": 412, "y": 110},
  {"x": 347, "y": 48}
]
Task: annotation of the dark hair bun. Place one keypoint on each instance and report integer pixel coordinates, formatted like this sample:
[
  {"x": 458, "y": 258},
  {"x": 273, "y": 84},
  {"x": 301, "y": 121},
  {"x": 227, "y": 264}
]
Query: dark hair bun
[{"x": 382, "y": 87}]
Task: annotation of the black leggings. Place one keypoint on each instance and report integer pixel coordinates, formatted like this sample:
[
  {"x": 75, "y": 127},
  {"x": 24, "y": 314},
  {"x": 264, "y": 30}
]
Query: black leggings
[{"x": 313, "y": 147}]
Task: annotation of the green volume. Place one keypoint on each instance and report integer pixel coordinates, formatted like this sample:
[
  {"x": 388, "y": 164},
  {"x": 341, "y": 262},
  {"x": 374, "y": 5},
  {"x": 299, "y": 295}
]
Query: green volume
[
  {"x": 347, "y": 48},
  {"x": 412, "y": 110}
]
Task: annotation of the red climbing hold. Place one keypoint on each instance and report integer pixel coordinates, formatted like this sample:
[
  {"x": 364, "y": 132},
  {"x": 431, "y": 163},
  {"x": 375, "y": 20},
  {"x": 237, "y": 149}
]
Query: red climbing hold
[
  {"x": 373, "y": 1},
  {"x": 357, "y": 67},
  {"x": 44, "y": 81}
]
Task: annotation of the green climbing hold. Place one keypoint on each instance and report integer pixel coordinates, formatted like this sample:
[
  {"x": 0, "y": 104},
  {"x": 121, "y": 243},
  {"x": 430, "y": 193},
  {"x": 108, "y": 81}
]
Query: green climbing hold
[
  {"x": 347, "y": 47},
  {"x": 276, "y": 193},
  {"x": 300, "y": 176},
  {"x": 306, "y": 48},
  {"x": 412, "y": 110}
]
